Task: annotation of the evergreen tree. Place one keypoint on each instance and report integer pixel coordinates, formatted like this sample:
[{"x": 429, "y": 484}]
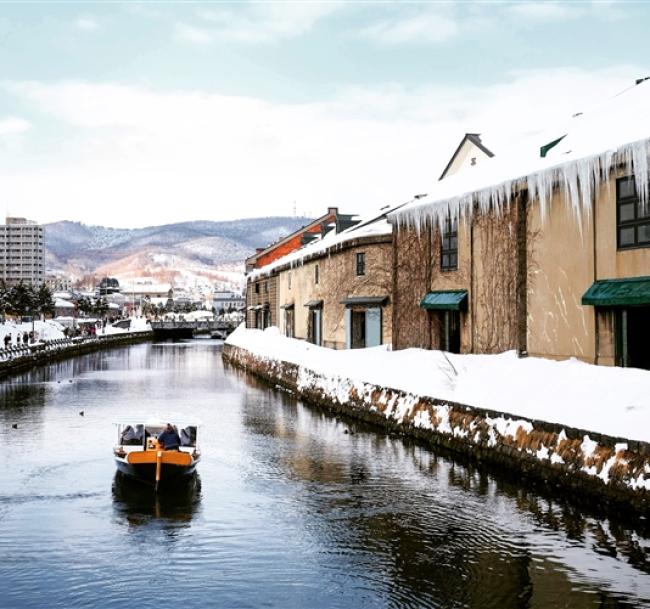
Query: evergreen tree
[
  {"x": 44, "y": 300},
  {"x": 84, "y": 305},
  {"x": 22, "y": 299},
  {"x": 5, "y": 304},
  {"x": 100, "y": 308}
]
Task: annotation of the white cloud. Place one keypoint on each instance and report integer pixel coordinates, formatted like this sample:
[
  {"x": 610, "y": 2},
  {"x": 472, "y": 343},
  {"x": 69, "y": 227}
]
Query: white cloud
[
  {"x": 438, "y": 23},
  {"x": 12, "y": 124},
  {"x": 546, "y": 11},
  {"x": 255, "y": 22},
  {"x": 193, "y": 34},
  {"x": 87, "y": 24},
  {"x": 426, "y": 26},
  {"x": 132, "y": 156}
]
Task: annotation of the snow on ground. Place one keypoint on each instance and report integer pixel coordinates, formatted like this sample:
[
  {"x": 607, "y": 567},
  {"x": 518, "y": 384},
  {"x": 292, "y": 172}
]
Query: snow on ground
[
  {"x": 44, "y": 330},
  {"x": 612, "y": 401}
]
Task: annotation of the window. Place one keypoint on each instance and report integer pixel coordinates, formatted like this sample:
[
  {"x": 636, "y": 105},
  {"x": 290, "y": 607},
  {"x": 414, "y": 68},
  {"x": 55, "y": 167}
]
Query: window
[
  {"x": 361, "y": 264},
  {"x": 289, "y": 280},
  {"x": 449, "y": 245},
  {"x": 266, "y": 287},
  {"x": 316, "y": 274},
  {"x": 632, "y": 219},
  {"x": 257, "y": 288}
]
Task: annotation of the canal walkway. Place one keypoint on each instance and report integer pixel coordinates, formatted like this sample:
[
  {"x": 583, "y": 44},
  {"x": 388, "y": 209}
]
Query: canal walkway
[
  {"x": 574, "y": 425},
  {"x": 18, "y": 358}
]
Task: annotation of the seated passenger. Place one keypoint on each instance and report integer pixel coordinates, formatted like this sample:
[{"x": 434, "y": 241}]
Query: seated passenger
[
  {"x": 169, "y": 438},
  {"x": 130, "y": 436}
]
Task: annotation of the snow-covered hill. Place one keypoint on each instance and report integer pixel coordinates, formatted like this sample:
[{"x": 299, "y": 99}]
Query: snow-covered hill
[{"x": 182, "y": 252}]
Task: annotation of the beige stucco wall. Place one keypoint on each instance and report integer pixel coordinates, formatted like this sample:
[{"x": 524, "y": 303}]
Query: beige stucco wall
[
  {"x": 560, "y": 270},
  {"x": 338, "y": 280},
  {"x": 565, "y": 257}
]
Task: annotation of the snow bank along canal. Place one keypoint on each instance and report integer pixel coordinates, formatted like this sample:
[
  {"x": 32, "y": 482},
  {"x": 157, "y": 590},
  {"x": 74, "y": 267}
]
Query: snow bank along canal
[
  {"x": 529, "y": 415},
  {"x": 291, "y": 512}
]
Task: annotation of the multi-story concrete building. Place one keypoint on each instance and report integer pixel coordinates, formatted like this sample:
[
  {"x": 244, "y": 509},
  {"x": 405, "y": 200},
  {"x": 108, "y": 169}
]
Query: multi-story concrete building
[
  {"x": 225, "y": 301},
  {"x": 21, "y": 252}
]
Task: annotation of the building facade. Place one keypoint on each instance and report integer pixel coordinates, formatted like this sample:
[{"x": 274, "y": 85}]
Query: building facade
[
  {"x": 225, "y": 301},
  {"x": 554, "y": 264},
  {"x": 340, "y": 297},
  {"x": 262, "y": 305},
  {"x": 21, "y": 252}
]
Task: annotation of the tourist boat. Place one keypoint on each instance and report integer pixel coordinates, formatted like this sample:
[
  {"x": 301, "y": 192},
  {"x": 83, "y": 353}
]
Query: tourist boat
[{"x": 139, "y": 455}]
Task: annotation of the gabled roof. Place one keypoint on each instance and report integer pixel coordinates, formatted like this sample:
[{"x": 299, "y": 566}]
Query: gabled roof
[
  {"x": 372, "y": 226},
  {"x": 591, "y": 143},
  {"x": 474, "y": 138},
  {"x": 316, "y": 228}
]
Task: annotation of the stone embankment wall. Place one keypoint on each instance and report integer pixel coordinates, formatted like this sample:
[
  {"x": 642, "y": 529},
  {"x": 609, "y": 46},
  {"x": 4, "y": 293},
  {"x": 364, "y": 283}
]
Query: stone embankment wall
[
  {"x": 18, "y": 359},
  {"x": 613, "y": 471}
]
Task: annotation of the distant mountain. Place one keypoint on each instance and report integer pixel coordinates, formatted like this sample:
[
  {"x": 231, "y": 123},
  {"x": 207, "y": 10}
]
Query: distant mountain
[{"x": 178, "y": 253}]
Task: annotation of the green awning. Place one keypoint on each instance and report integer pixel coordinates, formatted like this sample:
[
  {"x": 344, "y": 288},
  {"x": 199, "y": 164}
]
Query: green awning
[
  {"x": 633, "y": 291},
  {"x": 445, "y": 300}
]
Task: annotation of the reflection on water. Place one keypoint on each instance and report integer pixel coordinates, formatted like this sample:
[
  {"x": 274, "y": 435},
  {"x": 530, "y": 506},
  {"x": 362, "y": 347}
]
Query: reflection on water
[
  {"x": 136, "y": 503},
  {"x": 289, "y": 510}
]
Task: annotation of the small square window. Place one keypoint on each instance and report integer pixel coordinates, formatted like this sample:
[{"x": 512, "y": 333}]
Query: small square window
[
  {"x": 626, "y": 188},
  {"x": 626, "y": 236},
  {"x": 643, "y": 234},
  {"x": 626, "y": 212}
]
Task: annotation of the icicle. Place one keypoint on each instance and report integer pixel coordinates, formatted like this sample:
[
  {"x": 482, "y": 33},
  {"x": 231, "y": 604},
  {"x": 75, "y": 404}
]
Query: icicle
[
  {"x": 578, "y": 182},
  {"x": 640, "y": 163}
]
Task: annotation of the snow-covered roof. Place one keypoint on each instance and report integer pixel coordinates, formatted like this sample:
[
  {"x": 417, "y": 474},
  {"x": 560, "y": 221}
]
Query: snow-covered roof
[
  {"x": 370, "y": 225},
  {"x": 615, "y": 130},
  {"x": 59, "y": 303}
]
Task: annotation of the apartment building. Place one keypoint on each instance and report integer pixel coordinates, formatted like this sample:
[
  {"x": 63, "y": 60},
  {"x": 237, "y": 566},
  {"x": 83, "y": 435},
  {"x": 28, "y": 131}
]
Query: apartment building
[{"x": 21, "y": 252}]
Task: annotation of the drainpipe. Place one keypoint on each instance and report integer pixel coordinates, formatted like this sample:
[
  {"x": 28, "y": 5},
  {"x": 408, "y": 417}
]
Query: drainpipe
[
  {"x": 595, "y": 254},
  {"x": 522, "y": 274}
]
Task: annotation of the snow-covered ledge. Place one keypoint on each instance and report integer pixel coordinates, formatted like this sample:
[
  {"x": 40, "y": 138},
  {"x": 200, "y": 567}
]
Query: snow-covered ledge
[{"x": 581, "y": 426}]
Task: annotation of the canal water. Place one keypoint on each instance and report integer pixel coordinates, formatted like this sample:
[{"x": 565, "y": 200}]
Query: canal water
[{"x": 291, "y": 511}]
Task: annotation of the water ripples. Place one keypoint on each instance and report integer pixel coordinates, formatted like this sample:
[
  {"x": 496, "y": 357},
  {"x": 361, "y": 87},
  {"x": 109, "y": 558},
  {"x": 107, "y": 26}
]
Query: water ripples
[{"x": 288, "y": 511}]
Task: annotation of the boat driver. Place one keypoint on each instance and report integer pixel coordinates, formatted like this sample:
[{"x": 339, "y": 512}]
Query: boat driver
[{"x": 169, "y": 438}]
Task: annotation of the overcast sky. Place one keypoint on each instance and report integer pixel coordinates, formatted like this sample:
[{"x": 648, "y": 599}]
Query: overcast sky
[{"x": 128, "y": 114}]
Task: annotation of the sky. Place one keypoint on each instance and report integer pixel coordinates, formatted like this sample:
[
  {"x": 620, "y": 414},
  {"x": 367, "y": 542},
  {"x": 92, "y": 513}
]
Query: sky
[{"x": 131, "y": 114}]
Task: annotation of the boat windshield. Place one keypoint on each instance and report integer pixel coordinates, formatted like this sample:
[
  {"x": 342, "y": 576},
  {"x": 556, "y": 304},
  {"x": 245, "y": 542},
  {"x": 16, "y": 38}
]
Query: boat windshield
[{"x": 134, "y": 434}]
